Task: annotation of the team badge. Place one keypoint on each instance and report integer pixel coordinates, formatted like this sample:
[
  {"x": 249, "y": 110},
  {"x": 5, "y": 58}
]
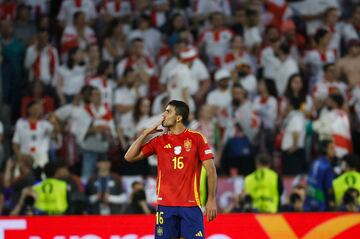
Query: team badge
[
  {"x": 187, "y": 145},
  {"x": 177, "y": 150},
  {"x": 159, "y": 231}
]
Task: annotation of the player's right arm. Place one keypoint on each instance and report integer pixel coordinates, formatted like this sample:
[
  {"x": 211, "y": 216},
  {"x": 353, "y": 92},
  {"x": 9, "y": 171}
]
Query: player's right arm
[{"x": 134, "y": 152}]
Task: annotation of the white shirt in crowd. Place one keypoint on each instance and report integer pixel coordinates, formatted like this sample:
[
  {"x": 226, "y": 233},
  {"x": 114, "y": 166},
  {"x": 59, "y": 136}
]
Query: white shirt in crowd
[
  {"x": 151, "y": 38},
  {"x": 294, "y": 123},
  {"x": 34, "y": 139},
  {"x": 316, "y": 61},
  {"x": 252, "y": 36},
  {"x": 70, "y": 114},
  {"x": 69, "y": 7},
  {"x": 198, "y": 73},
  {"x": 106, "y": 87},
  {"x": 210, "y": 6},
  {"x": 38, "y": 7},
  {"x": 179, "y": 80},
  {"x": 219, "y": 98},
  {"x": 71, "y": 80},
  {"x": 42, "y": 66},
  {"x": 249, "y": 83},
  {"x": 117, "y": 10},
  {"x": 217, "y": 43},
  {"x": 324, "y": 88},
  {"x": 249, "y": 121},
  {"x": 125, "y": 96},
  {"x": 70, "y": 38},
  {"x": 144, "y": 63},
  {"x": 349, "y": 32},
  {"x": 335, "y": 124},
  {"x": 313, "y": 8},
  {"x": 266, "y": 109}
]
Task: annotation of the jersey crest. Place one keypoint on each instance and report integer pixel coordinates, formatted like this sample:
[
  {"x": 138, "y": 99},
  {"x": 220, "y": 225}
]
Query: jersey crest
[{"x": 187, "y": 144}]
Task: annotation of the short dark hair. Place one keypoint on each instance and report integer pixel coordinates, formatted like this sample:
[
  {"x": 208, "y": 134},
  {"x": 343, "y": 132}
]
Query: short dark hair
[
  {"x": 103, "y": 66},
  {"x": 264, "y": 159},
  {"x": 50, "y": 169},
  {"x": 294, "y": 197},
  {"x": 182, "y": 109},
  {"x": 77, "y": 14},
  {"x": 32, "y": 103},
  {"x": 323, "y": 146},
  {"x": 327, "y": 66},
  {"x": 337, "y": 98},
  {"x": 351, "y": 160},
  {"x": 320, "y": 34},
  {"x": 348, "y": 197}
]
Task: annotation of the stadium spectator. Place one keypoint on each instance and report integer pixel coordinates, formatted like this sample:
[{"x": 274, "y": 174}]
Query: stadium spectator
[
  {"x": 220, "y": 97},
  {"x": 296, "y": 90},
  {"x": 216, "y": 40},
  {"x": 237, "y": 53},
  {"x": 316, "y": 58},
  {"x": 71, "y": 76},
  {"x": 264, "y": 186},
  {"x": 329, "y": 85},
  {"x": 296, "y": 204},
  {"x": 70, "y": 7},
  {"x": 37, "y": 92},
  {"x": 243, "y": 75},
  {"x": 150, "y": 36},
  {"x": 125, "y": 97},
  {"x": 335, "y": 124},
  {"x": 138, "y": 60},
  {"x": 293, "y": 141},
  {"x": 33, "y": 134},
  {"x": 138, "y": 204},
  {"x": 78, "y": 34},
  {"x": 319, "y": 192},
  {"x": 51, "y": 194},
  {"x": 350, "y": 202},
  {"x": 265, "y": 105},
  {"x": 114, "y": 42},
  {"x": 42, "y": 60},
  {"x": 18, "y": 175},
  {"x": 208, "y": 125},
  {"x": 350, "y": 28},
  {"x": 349, "y": 179},
  {"x": 105, "y": 192},
  {"x": 75, "y": 189},
  {"x": 24, "y": 29},
  {"x": 13, "y": 52},
  {"x": 347, "y": 65},
  {"x": 103, "y": 80},
  {"x": 179, "y": 79},
  {"x": 96, "y": 134}
]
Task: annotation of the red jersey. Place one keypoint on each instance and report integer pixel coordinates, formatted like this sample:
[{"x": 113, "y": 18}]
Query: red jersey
[{"x": 180, "y": 159}]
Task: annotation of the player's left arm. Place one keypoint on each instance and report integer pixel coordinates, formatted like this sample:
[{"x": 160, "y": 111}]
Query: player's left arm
[{"x": 210, "y": 208}]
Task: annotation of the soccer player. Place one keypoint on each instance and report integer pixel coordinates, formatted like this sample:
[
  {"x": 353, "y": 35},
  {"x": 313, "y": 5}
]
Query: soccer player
[{"x": 181, "y": 153}]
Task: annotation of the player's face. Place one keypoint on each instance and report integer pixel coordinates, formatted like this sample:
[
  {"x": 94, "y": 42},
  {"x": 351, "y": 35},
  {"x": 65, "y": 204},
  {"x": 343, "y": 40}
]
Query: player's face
[{"x": 170, "y": 117}]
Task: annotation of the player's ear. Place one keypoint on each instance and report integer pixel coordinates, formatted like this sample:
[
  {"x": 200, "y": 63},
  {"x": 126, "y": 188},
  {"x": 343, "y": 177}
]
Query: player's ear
[{"x": 179, "y": 118}]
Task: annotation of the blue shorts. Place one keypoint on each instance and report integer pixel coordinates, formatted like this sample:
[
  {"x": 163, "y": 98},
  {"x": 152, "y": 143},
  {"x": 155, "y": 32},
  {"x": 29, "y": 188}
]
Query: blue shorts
[{"x": 176, "y": 222}]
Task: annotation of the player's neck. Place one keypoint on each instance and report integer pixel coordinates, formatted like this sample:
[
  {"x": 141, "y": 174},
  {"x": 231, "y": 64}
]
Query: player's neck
[{"x": 177, "y": 129}]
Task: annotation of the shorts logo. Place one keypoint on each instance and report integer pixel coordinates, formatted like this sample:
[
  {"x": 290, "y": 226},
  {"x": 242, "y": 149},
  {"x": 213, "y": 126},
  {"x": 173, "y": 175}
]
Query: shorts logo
[
  {"x": 177, "y": 150},
  {"x": 159, "y": 231},
  {"x": 187, "y": 145},
  {"x": 199, "y": 234}
]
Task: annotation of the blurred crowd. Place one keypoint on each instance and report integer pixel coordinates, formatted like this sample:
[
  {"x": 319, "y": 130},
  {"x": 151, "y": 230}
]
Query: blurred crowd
[{"x": 274, "y": 85}]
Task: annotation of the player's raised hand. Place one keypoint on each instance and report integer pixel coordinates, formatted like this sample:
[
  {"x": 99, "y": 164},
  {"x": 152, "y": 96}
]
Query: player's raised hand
[
  {"x": 154, "y": 128},
  {"x": 210, "y": 210}
]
